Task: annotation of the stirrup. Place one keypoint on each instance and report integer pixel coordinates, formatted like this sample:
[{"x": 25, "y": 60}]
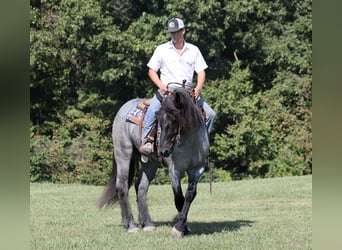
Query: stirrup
[
  {"x": 145, "y": 150},
  {"x": 144, "y": 158}
]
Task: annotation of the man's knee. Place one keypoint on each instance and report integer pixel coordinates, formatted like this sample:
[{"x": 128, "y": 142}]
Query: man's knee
[{"x": 211, "y": 114}]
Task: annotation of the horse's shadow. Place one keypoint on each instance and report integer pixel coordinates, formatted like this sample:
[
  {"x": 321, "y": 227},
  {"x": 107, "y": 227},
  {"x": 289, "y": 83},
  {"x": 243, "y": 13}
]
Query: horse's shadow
[{"x": 198, "y": 228}]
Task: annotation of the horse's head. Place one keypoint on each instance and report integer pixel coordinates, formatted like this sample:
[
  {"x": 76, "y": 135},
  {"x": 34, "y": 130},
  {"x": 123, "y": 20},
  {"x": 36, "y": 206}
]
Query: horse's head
[
  {"x": 169, "y": 133},
  {"x": 177, "y": 115}
]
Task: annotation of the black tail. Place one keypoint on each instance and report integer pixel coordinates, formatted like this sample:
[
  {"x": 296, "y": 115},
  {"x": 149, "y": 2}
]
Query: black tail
[{"x": 109, "y": 196}]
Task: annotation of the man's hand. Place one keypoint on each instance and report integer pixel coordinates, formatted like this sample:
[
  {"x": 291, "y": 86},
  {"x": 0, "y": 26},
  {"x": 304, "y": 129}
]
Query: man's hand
[
  {"x": 197, "y": 92},
  {"x": 163, "y": 89}
]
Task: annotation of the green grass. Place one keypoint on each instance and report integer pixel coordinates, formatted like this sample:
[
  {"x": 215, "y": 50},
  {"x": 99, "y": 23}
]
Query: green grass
[{"x": 255, "y": 214}]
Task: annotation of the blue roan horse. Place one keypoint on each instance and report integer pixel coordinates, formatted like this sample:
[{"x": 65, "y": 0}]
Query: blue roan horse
[{"x": 183, "y": 147}]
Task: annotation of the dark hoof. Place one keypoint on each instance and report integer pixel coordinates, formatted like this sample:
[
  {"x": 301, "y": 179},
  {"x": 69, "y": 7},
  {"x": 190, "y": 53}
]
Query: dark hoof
[{"x": 186, "y": 231}]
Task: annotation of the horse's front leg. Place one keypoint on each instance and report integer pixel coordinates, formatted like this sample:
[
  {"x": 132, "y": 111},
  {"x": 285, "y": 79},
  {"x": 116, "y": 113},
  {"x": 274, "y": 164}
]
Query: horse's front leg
[
  {"x": 146, "y": 175},
  {"x": 180, "y": 228}
]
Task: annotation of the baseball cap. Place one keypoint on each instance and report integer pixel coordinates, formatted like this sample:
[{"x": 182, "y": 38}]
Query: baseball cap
[{"x": 175, "y": 24}]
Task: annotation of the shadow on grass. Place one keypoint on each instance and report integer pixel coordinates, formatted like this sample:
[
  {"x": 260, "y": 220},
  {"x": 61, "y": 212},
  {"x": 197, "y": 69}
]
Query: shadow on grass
[{"x": 198, "y": 228}]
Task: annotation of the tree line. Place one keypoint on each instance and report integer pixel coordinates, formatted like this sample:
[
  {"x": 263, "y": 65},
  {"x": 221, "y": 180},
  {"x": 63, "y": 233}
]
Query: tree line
[{"x": 88, "y": 57}]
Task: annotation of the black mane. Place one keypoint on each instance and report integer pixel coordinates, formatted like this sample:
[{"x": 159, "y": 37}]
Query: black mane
[{"x": 180, "y": 107}]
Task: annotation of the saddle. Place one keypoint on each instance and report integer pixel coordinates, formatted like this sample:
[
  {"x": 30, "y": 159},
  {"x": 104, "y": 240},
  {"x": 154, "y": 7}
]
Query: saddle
[{"x": 136, "y": 116}]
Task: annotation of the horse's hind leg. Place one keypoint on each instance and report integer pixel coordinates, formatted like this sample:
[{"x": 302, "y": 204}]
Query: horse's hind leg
[
  {"x": 146, "y": 175},
  {"x": 122, "y": 189}
]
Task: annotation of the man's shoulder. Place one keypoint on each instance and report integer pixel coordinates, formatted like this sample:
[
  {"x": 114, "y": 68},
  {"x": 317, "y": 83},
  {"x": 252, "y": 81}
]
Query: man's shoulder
[{"x": 191, "y": 46}]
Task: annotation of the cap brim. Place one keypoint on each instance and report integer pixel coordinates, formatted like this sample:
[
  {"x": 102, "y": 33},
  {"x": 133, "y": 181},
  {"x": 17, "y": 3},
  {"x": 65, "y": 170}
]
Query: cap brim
[{"x": 173, "y": 30}]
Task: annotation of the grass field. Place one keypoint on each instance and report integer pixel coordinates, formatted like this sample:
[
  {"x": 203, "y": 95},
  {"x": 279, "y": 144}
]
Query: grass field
[{"x": 255, "y": 214}]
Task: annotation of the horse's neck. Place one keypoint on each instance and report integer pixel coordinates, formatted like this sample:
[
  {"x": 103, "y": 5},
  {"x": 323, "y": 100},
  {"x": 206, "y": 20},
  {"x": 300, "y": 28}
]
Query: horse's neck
[{"x": 194, "y": 135}]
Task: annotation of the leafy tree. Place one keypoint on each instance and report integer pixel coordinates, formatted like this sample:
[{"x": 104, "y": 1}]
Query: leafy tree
[
  {"x": 265, "y": 131},
  {"x": 88, "y": 57}
]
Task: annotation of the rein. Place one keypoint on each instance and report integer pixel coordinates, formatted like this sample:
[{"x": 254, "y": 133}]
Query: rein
[{"x": 169, "y": 92}]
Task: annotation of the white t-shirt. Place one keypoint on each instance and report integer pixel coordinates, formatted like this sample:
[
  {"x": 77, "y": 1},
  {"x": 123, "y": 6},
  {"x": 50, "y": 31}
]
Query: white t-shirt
[{"x": 174, "y": 67}]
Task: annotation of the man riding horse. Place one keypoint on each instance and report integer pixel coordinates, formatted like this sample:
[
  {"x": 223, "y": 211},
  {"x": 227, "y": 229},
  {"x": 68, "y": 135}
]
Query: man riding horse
[
  {"x": 177, "y": 60},
  {"x": 183, "y": 144}
]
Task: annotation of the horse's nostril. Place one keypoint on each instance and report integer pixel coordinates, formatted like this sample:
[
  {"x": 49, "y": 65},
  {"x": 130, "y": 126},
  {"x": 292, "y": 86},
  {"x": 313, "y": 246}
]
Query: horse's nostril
[{"x": 166, "y": 153}]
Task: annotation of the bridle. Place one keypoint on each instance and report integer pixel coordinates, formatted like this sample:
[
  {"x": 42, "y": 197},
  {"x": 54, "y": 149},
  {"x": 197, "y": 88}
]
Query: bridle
[{"x": 175, "y": 139}]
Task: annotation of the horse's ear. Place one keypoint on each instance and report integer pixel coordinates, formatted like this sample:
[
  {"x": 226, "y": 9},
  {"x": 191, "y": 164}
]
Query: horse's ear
[{"x": 178, "y": 100}]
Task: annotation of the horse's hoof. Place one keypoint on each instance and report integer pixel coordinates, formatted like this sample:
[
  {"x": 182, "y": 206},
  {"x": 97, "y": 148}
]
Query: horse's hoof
[
  {"x": 186, "y": 231},
  {"x": 149, "y": 229},
  {"x": 133, "y": 230},
  {"x": 176, "y": 233}
]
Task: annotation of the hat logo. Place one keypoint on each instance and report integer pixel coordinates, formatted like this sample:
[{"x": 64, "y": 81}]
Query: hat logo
[{"x": 172, "y": 24}]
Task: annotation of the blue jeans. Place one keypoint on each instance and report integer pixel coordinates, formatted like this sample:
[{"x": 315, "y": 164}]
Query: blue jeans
[{"x": 154, "y": 107}]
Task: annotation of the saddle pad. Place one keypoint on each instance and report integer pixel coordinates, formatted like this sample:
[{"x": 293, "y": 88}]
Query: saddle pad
[{"x": 136, "y": 114}]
